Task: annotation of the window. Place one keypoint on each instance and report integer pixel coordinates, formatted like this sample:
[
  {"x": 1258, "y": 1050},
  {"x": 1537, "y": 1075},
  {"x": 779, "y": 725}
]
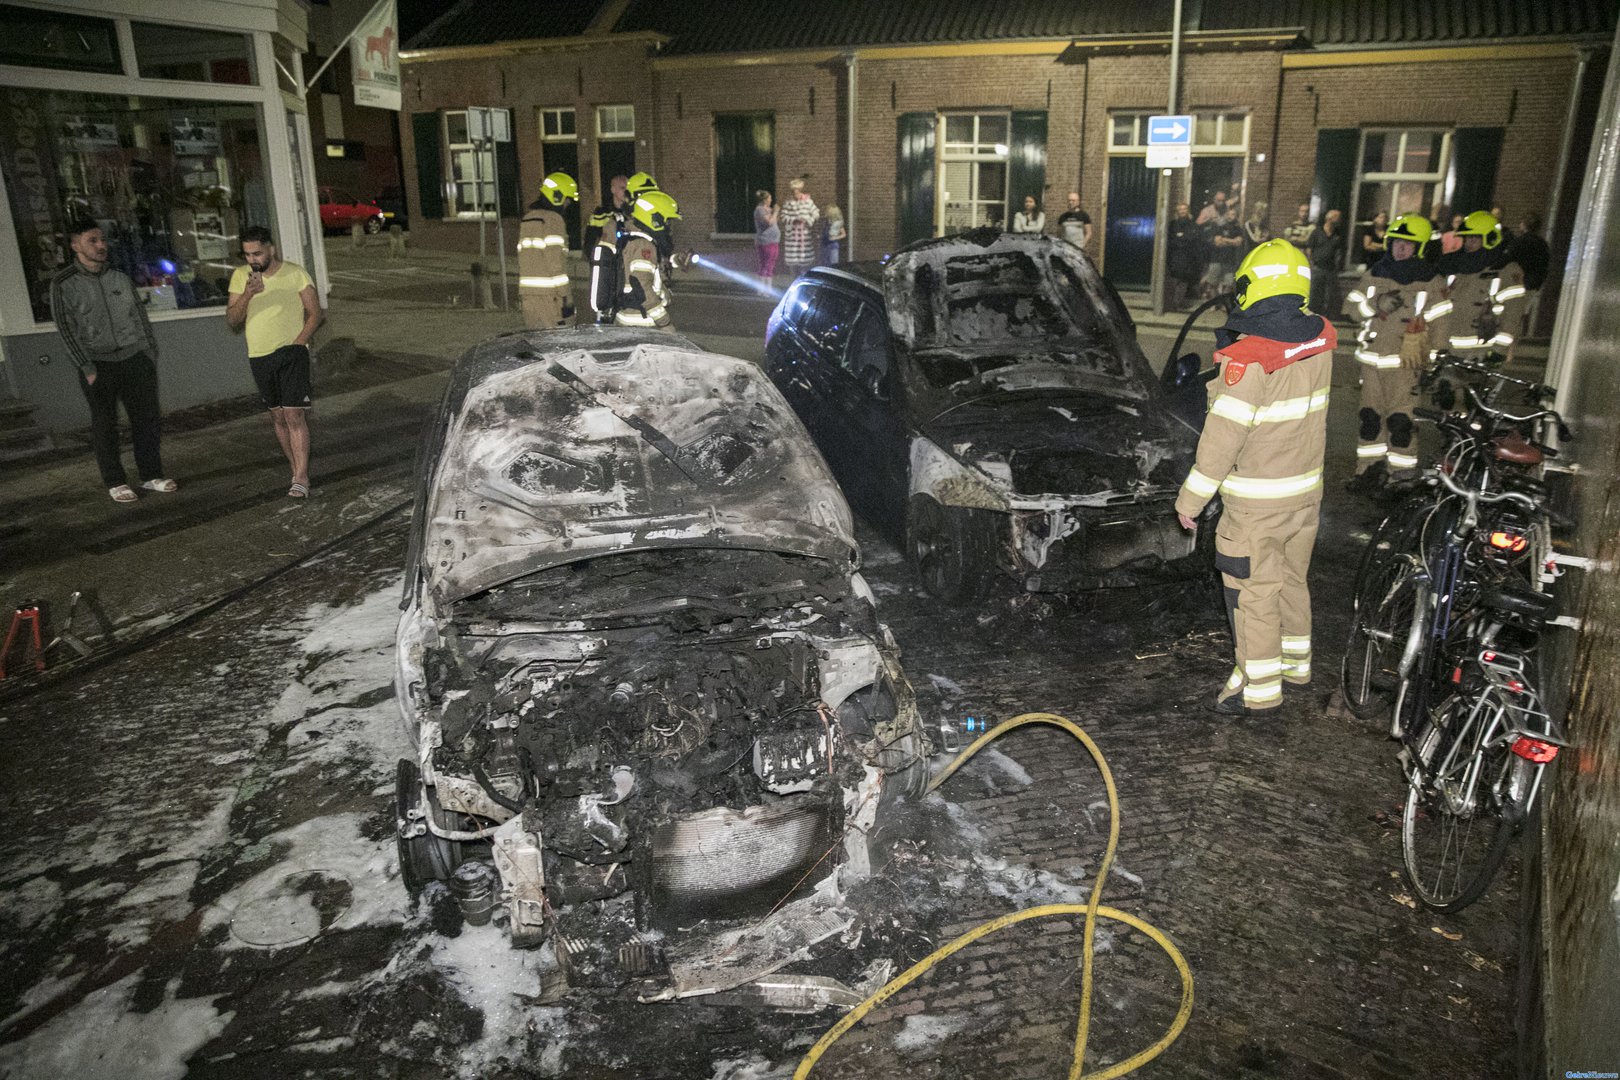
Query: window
[
  {"x": 1213, "y": 132},
  {"x": 557, "y": 125},
  {"x": 973, "y": 171},
  {"x": 472, "y": 170},
  {"x": 826, "y": 323},
  {"x": 47, "y": 39},
  {"x": 1401, "y": 172},
  {"x": 180, "y": 52},
  {"x": 615, "y": 121},
  {"x": 171, "y": 182},
  {"x": 870, "y": 350}
]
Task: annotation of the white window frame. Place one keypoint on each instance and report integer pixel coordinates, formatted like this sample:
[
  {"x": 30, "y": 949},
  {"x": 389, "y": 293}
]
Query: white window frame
[
  {"x": 16, "y": 312},
  {"x": 558, "y": 111},
  {"x": 616, "y": 134},
  {"x": 485, "y": 183},
  {"x": 976, "y": 153},
  {"x": 1224, "y": 119},
  {"x": 1435, "y": 176}
]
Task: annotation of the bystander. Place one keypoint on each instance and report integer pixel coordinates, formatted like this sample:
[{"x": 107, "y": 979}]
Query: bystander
[
  {"x": 1031, "y": 219},
  {"x": 767, "y": 236},
  {"x": 1074, "y": 223},
  {"x": 1326, "y": 251},
  {"x": 797, "y": 218},
  {"x": 275, "y": 302},
  {"x": 103, "y": 322}
]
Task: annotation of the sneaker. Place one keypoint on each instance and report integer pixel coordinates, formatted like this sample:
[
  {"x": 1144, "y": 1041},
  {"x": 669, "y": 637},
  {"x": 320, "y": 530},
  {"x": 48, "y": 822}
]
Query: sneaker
[
  {"x": 123, "y": 493},
  {"x": 162, "y": 484}
]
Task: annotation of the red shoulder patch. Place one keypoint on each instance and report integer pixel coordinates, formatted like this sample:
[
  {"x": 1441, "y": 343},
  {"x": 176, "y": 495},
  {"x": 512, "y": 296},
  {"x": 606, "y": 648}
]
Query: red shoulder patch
[{"x": 1234, "y": 371}]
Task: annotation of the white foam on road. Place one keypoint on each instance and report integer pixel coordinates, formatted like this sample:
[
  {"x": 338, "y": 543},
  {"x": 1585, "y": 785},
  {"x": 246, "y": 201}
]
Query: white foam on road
[{"x": 101, "y": 1039}]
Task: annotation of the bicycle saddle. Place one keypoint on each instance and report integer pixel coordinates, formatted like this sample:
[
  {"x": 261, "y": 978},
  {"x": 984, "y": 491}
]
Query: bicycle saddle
[
  {"x": 1515, "y": 448},
  {"x": 1521, "y": 607}
]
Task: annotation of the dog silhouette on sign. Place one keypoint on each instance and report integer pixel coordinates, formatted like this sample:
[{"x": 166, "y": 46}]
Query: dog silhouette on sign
[{"x": 383, "y": 46}]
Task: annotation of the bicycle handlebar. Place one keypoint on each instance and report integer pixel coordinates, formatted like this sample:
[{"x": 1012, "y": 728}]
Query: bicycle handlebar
[
  {"x": 1480, "y": 496},
  {"x": 1503, "y": 414}
]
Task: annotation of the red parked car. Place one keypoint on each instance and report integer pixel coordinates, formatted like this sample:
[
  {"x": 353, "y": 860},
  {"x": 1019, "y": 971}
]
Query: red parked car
[{"x": 340, "y": 211}]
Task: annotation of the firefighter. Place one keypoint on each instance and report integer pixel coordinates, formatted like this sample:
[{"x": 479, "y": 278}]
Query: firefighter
[
  {"x": 1262, "y": 449},
  {"x": 1401, "y": 303},
  {"x": 607, "y": 271},
  {"x": 639, "y": 184},
  {"x": 1486, "y": 291},
  {"x": 543, "y": 256},
  {"x": 643, "y": 300}
]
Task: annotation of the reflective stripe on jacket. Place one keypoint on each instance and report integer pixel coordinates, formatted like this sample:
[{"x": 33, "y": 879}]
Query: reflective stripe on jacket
[{"x": 1385, "y": 307}]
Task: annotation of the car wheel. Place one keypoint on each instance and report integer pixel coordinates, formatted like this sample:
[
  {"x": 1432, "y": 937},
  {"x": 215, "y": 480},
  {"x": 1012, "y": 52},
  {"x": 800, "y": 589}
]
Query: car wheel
[
  {"x": 425, "y": 857},
  {"x": 373, "y": 226},
  {"x": 952, "y": 549}
]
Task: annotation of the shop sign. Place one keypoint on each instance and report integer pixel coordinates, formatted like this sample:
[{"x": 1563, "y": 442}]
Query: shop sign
[{"x": 374, "y": 57}]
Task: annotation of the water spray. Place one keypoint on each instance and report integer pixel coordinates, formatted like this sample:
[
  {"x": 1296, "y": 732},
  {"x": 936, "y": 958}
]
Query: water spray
[{"x": 750, "y": 281}]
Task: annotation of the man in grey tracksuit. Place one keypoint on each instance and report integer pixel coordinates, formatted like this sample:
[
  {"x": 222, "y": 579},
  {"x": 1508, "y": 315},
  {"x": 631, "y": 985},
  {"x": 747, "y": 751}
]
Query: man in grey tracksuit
[{"x": 103, "y": 322}]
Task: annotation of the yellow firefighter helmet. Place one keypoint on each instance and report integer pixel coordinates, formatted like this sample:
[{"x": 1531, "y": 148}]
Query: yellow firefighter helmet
[
  {"x": 1275, "y": 268},
  {"x": 1413, "y": 227},
  {"x": 655, "y": 210},
  {"x": 639, "y": 183},
  {"x": 1483, "y": 224},
  {"x": 559, "y": 186}
]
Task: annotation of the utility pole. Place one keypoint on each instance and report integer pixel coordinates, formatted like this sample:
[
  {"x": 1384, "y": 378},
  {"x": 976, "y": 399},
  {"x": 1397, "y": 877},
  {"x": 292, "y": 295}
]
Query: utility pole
[{"x": 1161, "y": 224}]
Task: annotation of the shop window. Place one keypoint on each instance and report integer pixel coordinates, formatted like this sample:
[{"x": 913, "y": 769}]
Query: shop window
[
  {"x": 472, "y": 170},
  {"x": 558, "y": 124},
  {"x": 1402, "y": 172},
  {"x": 616, "y": 121},
  {"x": 973, "y": 171},
  {"x": 191, "y": 55},
  {"x": 34, "y": 38},
  {"x": 171, "y": 183}
]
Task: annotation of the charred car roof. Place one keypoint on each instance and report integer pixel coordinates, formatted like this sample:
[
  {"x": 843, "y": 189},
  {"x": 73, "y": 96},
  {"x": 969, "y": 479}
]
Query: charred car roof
[{"x": 563, "y": 445}]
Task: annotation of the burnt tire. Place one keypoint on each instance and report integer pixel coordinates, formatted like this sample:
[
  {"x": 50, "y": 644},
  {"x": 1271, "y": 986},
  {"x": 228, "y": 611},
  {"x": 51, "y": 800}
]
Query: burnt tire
[
  {"x": 952, "y": 549},
  {"x": 425, "y": 857}
]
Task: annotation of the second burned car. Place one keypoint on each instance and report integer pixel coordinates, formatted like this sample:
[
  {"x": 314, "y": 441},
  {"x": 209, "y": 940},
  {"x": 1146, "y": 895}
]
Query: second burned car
[{"x": 982, "y": 400}]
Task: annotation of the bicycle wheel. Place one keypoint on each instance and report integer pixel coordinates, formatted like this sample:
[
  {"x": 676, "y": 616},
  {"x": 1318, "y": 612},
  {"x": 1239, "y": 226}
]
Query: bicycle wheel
[
  {"x": 1455, "y": 830},
  {"x": 1397, "y": 535},
  {"x": 1379, "y": 630}
]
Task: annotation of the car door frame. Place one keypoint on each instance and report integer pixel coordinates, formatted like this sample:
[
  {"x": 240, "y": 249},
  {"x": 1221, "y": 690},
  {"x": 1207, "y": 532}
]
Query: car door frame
[{"x": 871, "y": 422}]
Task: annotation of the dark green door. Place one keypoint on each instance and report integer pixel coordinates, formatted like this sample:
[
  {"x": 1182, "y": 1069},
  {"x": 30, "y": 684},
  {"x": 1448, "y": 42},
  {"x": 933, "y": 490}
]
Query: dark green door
[
  {"x": 616, "y": 157},
  {"x": 744, "y": 162},
  {"x": 1132, "y": 194},
  {"x": 563, "y": 157}
]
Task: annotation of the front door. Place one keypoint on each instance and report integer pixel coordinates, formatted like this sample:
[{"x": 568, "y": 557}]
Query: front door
[
  {"x": 615, "y": 157},
  {"x": 744, "y": 162},
  {"x": 1132, "y": 204},
  {"x": 564, "y": 157}
]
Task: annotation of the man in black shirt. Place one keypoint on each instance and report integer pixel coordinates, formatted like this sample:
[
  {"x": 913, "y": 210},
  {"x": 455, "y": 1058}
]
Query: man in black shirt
[
  {"x": 1534, "y": 257},
  {"x": 1326, "y": 250},
  {"x": 1074, "y": 224}
]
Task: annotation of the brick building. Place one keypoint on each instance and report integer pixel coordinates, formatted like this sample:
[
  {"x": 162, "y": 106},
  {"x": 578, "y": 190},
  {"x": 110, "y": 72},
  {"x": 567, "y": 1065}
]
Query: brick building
[{"x": 959, "y": 111}]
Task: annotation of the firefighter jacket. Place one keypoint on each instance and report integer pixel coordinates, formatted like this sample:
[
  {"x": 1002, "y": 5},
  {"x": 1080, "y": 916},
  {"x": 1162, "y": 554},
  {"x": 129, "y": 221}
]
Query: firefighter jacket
[
  {"x": 1389, "y": 296},
  {"x": 1487, "y": 302},
  {"x": 1266, "y": 431},
  {"x": 543, "y": 265},
  {"x": 642, "y": 300}
]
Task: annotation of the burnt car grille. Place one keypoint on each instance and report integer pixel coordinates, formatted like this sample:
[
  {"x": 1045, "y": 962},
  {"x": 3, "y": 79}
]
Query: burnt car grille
[{"x": 722, "y": 863}]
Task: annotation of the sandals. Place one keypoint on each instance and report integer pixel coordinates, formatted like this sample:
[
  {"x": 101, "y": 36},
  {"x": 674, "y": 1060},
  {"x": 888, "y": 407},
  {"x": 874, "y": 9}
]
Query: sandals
[
  {"x": 298, "y": 491},
  {"x": 163, "y": 484},
  {"x": 123, "y": 493}
]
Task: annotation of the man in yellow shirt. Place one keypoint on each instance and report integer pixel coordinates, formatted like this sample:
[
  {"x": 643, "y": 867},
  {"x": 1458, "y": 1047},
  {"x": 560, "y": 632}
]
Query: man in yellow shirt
[{"x": 277, "y": 304}]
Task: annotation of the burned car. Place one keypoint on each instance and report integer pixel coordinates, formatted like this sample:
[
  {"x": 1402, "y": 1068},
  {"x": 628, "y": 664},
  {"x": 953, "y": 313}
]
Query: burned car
[
  {"x": 983, "y": 401},
  {"x": 651, "y": 699}
]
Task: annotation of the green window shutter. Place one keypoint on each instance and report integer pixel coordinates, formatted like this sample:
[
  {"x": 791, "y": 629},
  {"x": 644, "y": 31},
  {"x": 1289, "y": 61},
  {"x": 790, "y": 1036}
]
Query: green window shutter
[
  {"x": 429, "y": 164},
  {"x": 1336, "y": 150},
  {"x": 914, "y": 177},
  {"x": 506, "y": 168},
  {"x": 1026, "y": 167},
  {"x": 1475, "y": 153}
]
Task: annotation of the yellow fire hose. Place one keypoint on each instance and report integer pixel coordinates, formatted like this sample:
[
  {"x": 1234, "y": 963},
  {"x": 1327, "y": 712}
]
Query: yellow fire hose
[{"x": 1092, "y": 909}]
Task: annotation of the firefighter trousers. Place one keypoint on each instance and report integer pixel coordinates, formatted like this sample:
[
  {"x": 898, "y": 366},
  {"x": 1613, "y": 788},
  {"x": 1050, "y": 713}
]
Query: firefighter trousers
[
  {"x": 1264, "y": 556},
  {"x": 1386, "y": 432},
  {"x": 543, "y": 306}
]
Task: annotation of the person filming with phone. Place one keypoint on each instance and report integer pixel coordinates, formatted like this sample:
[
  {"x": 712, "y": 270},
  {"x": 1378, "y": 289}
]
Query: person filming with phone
[{"x": 276, "y": 302}]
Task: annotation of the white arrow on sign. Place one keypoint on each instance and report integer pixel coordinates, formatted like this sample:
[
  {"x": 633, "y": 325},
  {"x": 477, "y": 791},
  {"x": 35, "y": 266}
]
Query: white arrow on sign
[{"x": 1177, "y": 129}]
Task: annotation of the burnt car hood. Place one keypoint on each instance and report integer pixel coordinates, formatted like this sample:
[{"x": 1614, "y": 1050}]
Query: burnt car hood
[
  {"x": 578, "y": 452},
  {"x": 1065, "y": 442}
]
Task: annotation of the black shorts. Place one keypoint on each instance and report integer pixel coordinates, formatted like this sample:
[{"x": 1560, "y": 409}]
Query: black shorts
[{"x": 283, "y": 377}]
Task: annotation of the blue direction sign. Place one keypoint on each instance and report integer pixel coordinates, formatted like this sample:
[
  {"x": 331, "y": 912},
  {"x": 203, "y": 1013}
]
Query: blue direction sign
[{"x": 1169, "y": 131}]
